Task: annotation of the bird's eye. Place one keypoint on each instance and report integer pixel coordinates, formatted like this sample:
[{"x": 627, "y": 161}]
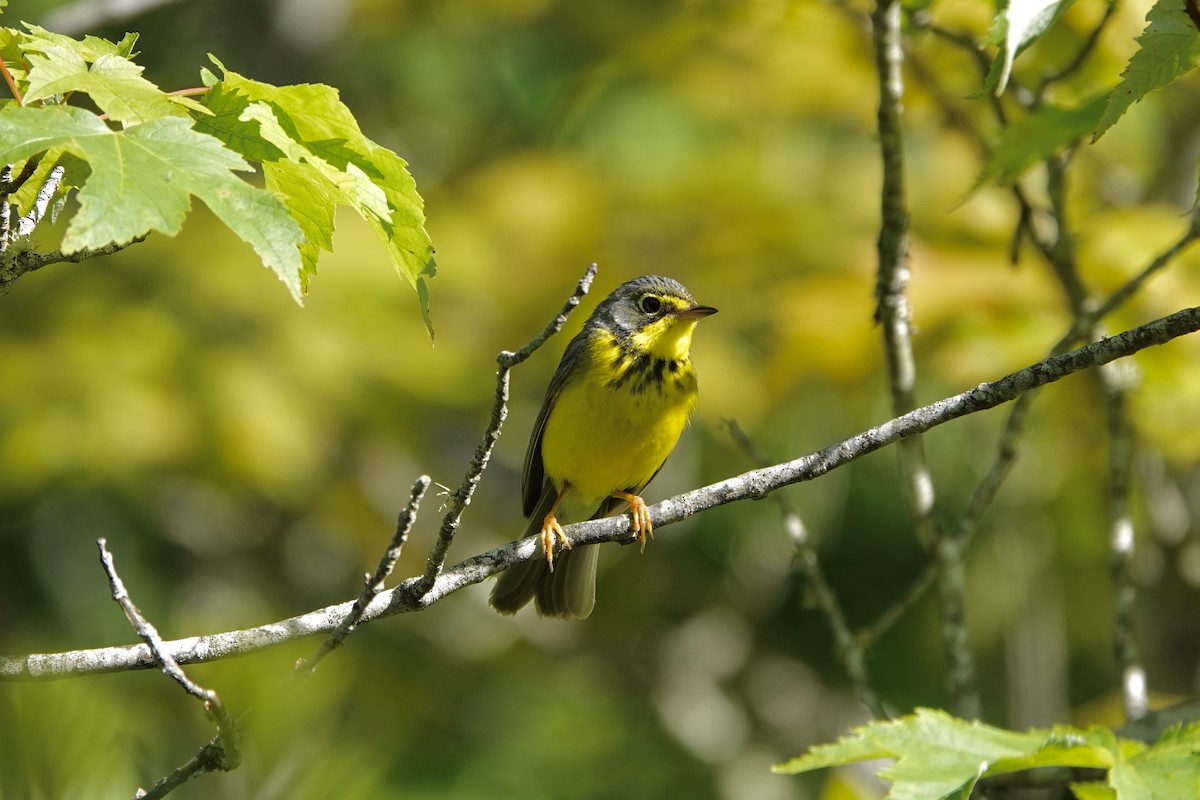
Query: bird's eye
[{"x": 649, "y": 304}]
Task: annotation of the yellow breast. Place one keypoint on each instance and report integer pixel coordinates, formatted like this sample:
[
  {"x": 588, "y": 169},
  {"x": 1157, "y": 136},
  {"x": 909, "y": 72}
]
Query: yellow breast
[{"x": 616, "y": 422}]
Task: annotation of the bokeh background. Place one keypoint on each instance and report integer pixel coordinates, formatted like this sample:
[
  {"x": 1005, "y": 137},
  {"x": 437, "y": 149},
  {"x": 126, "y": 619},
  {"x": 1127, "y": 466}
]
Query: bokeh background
[{"x": 246, "y": 458}]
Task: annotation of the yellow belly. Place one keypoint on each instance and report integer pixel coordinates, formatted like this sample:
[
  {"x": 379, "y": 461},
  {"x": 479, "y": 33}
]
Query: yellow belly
[{"x": 603, "y": 439}]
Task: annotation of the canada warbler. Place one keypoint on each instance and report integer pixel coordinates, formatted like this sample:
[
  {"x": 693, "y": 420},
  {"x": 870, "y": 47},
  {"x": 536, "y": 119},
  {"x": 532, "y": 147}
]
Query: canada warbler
[{"x": 614, "y": 410}]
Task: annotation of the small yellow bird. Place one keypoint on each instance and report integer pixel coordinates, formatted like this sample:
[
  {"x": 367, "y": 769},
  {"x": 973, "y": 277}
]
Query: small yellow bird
[{"x": 615, "y": 408}]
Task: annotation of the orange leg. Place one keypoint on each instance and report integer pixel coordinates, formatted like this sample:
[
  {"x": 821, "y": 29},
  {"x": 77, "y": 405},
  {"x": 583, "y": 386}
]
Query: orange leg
[
  {"x": 552, "y": 532},
  {"x": 640, "y": 514}
]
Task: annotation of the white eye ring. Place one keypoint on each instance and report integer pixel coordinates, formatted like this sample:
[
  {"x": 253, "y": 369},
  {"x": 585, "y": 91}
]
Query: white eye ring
[{"x": 649, "y": 304}]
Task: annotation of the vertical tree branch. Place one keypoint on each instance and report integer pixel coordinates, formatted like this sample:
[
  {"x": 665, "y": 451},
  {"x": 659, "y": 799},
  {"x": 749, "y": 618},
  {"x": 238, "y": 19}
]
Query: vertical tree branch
[
  {"x": 1062, "y": 255},
  {"x": 1115, "y": 378},
  {"x": 892, "y": 310},
  {"x": 893, "y": 314}
]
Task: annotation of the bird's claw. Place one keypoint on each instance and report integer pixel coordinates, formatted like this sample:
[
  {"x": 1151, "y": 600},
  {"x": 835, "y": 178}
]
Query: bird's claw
[
  {"x": 639, "y": 513},
  {"x": 552, "y": 533}
]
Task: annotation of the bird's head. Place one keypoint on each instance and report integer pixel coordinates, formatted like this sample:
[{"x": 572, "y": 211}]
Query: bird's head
[{"x": 656, "y": 314}]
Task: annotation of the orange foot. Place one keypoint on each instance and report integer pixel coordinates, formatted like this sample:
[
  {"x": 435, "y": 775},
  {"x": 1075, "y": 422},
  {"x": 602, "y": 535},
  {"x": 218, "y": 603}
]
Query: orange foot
[
  {"x": 552, "y": 532},
  {"x": 639, "y": 514}
]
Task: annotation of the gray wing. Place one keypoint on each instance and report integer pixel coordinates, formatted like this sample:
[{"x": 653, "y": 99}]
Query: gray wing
[{"x": 533, "y": 476}]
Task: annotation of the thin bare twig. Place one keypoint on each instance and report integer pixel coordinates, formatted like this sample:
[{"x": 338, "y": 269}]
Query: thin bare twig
[
  {"x": 408, "y": 596},
  {"x": 198, "y": 764},
  {"x": 1131, "y": 287},
  {"x": 983, "y": 60},
  {"x": 30, "y": 261},
  {"x": 483, "y": 453},
  {"x": 373, "y": 584},
  {"x": 224, "y": 753},
  {"x": 846, "y": 645},
  {"x": 1062, "y": 257},
  {"x": 1089, "y": 46}
]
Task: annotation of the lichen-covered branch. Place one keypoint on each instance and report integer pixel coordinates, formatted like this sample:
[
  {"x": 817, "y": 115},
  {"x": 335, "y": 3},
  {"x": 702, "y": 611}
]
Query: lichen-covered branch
[{"x": 756, "y": 484}]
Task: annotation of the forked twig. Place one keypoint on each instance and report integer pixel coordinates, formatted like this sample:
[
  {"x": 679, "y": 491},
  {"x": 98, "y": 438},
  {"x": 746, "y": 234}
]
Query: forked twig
[
  {"x": 373, "y": 584},
  {"x": 224, "y": 751},
  {"x": 483, "y": 453}
]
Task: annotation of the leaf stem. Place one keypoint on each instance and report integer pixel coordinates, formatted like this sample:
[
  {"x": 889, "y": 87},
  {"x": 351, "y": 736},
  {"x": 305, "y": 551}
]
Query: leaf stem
[{"x": 12, "y": 83}]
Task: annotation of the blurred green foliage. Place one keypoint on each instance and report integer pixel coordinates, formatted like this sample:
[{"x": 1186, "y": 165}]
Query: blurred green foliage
[{"x": 246, "y": 458}]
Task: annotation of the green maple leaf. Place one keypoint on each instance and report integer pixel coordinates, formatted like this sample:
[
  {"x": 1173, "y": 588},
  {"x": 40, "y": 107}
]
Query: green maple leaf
[
  {"x": 59, "y": 65},
  {"x": 936, "y": 755},
  {"x": 939, "y": 757},
  {"x": 1169, "y": 768},
  {"x": 114, "y": 83},
  {"x": 1170, "y": 48},
  {"x": 142, "y": 179},
  {"x": 316, "y": 158},
  {"x": 90, "y": 47}
]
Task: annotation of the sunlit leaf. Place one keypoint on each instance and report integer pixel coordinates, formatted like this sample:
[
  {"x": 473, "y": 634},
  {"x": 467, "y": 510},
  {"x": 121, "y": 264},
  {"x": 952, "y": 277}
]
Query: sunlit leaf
[
  {"x": 936, "y": 754},
  {"x": 939, "y": 757},
  {"x": 142, "y": 180},
  {"x": 1169, "y": 768},
  {"x": 314, "y": 154},
  {"x": 113, "y": 82},
  {"x": 53, "y": 66},
  {"x": 1015, "y": 28},
  {"x": 1170, "y": 48},
  {"x": 89, "y": 48}
]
